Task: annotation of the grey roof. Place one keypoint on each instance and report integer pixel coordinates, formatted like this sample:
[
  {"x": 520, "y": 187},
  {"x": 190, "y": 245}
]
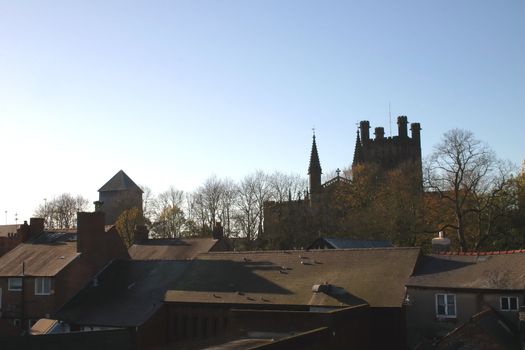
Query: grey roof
[
  {"x": 171, "y": 248},
  {"x": 356, "y": 276},
  {"x": 485, "y": 330},
  {"x": 119, "y": 182},
  {"x": 499, "y": 271},
  {"x": 345, "y": 243},
  {"x": 39, "y": 259},
  {"x": 126, "y": 294}
]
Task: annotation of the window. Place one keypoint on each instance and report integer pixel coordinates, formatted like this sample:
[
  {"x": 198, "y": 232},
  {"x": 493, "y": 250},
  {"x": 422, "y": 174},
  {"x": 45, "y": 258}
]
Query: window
[
  {"x": 509, "y": 303},
  {"x": 42, "y": 286},
  {"x": 14, "y": 284},
  {"x": 446, "y": 305}
]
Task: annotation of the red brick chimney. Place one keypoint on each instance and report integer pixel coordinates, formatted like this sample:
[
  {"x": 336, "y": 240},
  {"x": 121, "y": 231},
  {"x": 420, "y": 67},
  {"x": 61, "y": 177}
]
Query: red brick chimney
[
  {"x": 24, "y": 232},
  {"x": 140, "y": 234},
  {"x": 90, "y": 228},
  {"x": 36, "y": 226}
]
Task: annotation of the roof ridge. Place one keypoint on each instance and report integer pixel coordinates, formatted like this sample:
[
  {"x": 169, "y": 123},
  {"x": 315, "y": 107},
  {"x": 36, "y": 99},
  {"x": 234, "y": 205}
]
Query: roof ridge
[
  {"x": 312, "y": 250},
  {"x": 473, "y": 253}
]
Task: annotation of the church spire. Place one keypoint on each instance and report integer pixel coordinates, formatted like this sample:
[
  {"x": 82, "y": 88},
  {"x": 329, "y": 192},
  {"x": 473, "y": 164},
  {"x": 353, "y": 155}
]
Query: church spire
[
  {"x": 314, "y": 170},
  {"x": 358, "y": 151}
]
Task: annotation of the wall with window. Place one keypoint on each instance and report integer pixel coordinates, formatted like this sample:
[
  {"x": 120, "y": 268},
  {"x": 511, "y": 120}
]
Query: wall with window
[{"x": 432, "y": 313}]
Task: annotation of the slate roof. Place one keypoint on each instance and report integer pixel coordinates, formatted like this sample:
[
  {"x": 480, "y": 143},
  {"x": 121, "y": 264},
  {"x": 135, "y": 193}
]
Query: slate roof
[
  {"x": 496, "y": 272},
  {"x": 127, "y": 293},
  {"x": 485, "y": 330},
  {"x": 171, "y": 249},
  {"x": 46, "y": 255},
  {"x": 346, "y": 243},
  {"x": 357, "y": 276},
  {"x": 119, "y": 182}
]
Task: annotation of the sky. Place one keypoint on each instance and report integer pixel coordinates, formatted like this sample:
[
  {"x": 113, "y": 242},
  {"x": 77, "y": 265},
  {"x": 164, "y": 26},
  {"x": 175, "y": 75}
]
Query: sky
[{"x": 173, "y": 92}]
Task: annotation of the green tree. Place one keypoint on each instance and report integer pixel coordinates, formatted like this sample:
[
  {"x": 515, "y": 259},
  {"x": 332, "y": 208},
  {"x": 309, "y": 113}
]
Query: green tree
[{"x": 126, "y": 224}]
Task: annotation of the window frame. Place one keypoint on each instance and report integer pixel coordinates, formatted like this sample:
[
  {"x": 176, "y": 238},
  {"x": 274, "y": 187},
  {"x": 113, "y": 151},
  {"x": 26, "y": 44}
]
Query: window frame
[
  {"x": 40, "y": 286},
  {"x": 10, "y": 287},
  {"x": 509, "y": 309},
  {"x": 446, "y": 297}
]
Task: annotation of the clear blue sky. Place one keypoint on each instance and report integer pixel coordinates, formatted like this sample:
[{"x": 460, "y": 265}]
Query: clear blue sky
[{"x": 175, "y": 91}]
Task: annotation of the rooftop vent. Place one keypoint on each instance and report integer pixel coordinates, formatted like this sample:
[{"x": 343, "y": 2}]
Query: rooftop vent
[{"x": 321, "y": 288}]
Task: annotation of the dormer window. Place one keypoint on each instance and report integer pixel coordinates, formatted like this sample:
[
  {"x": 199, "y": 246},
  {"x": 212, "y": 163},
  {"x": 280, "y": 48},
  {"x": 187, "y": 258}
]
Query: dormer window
[
  {"x": 42, "y": 286},
  {"x": 14, "y": 284}
]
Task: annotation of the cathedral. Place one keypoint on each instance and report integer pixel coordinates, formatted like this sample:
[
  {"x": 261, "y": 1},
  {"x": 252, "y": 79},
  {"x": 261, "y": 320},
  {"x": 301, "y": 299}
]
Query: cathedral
[{"x": 323, "y": 210}]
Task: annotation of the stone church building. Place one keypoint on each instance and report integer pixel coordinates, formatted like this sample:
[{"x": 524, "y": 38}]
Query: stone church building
[{"x": 322, "y": 211}]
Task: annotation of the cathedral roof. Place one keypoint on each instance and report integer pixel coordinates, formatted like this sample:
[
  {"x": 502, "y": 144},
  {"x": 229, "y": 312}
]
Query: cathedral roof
[
  {"x": 119, "y": 182},
  {"x": 315, "y": 165}
]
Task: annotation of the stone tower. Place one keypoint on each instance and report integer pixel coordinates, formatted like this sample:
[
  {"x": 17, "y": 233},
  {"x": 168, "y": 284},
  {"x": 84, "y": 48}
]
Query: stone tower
[
  {"x": 118, "y": 194},
  {"x": 389, "y": 152}
]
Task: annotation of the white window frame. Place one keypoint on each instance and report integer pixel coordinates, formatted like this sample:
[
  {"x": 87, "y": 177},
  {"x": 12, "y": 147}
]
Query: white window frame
[
  {"x": 446, "y": 298},
  {"x": 508, "y": 303},
  {"x": 40, "y": 286},
  {"x": 10, "y": 284}
]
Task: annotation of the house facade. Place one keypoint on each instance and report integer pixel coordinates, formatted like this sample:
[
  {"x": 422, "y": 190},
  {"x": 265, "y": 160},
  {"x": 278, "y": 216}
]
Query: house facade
[
  {"x": 448, "y": 289},
  {"x": 40, "y": 275}
]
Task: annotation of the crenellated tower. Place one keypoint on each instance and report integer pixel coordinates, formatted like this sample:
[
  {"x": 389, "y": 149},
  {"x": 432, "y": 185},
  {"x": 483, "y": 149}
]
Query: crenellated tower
[{"x": 389, "y": 152}]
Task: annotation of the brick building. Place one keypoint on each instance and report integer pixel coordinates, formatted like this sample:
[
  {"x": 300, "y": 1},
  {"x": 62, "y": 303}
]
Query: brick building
[{"x": 41, "y": 274}]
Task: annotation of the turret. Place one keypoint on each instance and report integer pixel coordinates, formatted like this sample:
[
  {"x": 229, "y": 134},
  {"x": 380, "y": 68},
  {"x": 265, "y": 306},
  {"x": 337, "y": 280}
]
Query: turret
[
  {"x": 402, "y": 126},
  {"x": 415, "y": 128},
  {"x": 364, "y": 126},
  {"x": 314, "y": 170},
  {"x": 379, "y": 133}
]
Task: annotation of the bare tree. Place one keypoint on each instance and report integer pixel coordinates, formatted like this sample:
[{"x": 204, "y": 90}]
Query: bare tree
[
  {"x": 247, "y": 213},
  {"x": 466, "y": 174},
  {"x": 148, "y": 203},
  {"x": 227, "y": 205},
  {"x": 61, "y": 212},
  {"x": 286, "y": 186},
  {"x": 168, "y": 214}
]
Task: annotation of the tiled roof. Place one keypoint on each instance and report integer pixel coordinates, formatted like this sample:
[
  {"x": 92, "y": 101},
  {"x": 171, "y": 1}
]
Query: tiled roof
[
  {"x": 126, "y": 294},
  {"x": 119, "y": 182},
  {"x": 357, "y": 276},
  {"x": 38, "y": 259},
  {"x": 496, "y": 271},
  {"x": 171, "y": 249}
]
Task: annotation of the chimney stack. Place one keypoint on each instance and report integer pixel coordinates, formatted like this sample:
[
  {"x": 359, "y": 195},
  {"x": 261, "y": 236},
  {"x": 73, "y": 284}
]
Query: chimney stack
[
  {"x": 402, "y": 126},
  {"x": 440, "y": 244},
  {"x": 218, "y": 231},
  {"x": 90, "y": 226},
  {"x": 364, "y": 127},
  {"x": 36, "y": 226},
  {"x": 140, "y": 234},
  {"x": 24, "y": 232}
]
